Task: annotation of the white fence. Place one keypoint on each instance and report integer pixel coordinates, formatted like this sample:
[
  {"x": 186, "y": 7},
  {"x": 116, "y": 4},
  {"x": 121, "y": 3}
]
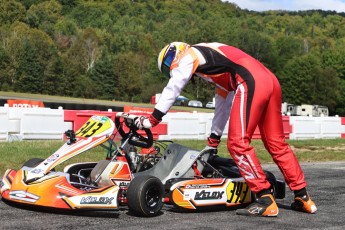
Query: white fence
[
  {"x": 316, "y": 127},
  {"x": 198, "y": 125},
  {"x": 31, "y": 123},
  {"x": 45, "y": 123},
  {"x": 188, "y": 126}
]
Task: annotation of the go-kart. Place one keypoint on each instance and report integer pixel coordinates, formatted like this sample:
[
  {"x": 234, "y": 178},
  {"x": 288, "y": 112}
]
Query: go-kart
[{"x": 141, "y": 179}]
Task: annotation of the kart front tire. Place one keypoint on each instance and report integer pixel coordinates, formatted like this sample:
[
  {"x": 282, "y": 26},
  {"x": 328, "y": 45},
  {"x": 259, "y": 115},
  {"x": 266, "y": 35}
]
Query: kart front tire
[{"x": 145, "y": 196}]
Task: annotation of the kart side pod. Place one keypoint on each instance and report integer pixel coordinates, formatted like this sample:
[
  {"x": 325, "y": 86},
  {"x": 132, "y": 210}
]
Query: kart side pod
[{"x": 207, "y": 193}]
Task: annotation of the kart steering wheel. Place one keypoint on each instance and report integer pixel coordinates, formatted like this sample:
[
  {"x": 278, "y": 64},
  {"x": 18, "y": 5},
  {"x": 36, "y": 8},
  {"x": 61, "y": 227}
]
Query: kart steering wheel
[{"x": 135, "y": 138}]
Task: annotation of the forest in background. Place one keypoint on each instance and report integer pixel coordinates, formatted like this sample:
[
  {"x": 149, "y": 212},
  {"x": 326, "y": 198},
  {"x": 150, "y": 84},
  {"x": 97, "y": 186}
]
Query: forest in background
[{"x": 107, "y": 49}]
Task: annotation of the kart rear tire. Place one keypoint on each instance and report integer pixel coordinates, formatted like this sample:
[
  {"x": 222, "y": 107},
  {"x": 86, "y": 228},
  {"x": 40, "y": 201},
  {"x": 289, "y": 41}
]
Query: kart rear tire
[
  {"x": 33, "y": 162},
  {"x": 145, "y": 196},
  {"x": 273, "y": 181}
]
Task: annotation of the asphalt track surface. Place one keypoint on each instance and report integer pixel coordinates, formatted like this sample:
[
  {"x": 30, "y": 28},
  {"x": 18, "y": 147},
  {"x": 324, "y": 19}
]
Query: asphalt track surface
[{"x": 326, "y": 186}]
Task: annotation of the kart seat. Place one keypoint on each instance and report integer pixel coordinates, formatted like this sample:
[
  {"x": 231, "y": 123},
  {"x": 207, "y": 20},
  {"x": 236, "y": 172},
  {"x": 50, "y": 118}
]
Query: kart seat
[
  {"x": 97, "y": 171},
  {"x": 176, "y": 162}
]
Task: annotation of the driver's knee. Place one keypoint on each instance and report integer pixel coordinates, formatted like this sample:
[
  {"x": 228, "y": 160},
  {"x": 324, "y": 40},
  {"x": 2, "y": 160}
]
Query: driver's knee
[
  {"x": 277, "y": 146},
  {"x": 238, "y": 146}
]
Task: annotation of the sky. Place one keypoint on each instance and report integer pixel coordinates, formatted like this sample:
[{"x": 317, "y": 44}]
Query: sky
[{"x": 291, "y": 5}]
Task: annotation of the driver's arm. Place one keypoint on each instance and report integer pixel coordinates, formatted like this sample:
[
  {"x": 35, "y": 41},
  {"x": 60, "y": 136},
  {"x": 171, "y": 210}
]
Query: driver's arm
[
  {"x": 181, "y": 73},
  {"x": 221, "y": 115}
]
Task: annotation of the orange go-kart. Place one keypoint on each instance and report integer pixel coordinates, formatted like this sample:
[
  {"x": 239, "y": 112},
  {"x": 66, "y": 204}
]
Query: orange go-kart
[{"x": 134, "y": 174}]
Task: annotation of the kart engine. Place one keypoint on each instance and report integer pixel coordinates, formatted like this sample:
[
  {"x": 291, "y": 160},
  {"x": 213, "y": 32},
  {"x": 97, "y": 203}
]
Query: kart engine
[{"x": 143, "y": 159}]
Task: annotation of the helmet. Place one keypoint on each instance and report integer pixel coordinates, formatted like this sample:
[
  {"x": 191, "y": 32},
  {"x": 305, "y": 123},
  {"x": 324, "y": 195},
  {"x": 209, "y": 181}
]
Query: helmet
[{"x": 168, "y": 54}]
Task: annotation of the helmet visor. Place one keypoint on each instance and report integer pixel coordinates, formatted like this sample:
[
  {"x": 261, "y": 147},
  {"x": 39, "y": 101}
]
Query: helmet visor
[
  {"x": 166, "y": 70},
  {"x": 168, "y": 59}
]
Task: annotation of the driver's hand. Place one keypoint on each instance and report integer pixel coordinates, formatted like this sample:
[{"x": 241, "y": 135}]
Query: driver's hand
[
  {"x": 213, "y": 141},
  {"x": 142, "y": 122}
]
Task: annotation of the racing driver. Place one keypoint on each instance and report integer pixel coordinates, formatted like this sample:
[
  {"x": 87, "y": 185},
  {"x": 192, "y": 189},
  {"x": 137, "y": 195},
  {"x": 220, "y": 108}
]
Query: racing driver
[{"x": 249, "y": 95}]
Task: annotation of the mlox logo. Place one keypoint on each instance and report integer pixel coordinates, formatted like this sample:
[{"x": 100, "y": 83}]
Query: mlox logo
[
  {"x": 96, "y": 200},
  {"x": 204, "y": 195}
]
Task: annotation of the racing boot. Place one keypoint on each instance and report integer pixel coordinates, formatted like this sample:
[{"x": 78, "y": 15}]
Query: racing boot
[
  {"x": 265, "y": 205},
  {"x": 303, "y": 204}
]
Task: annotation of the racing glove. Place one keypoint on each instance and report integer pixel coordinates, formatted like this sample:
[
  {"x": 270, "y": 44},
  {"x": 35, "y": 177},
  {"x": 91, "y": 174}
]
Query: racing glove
[
  {"x": 213, "y": 141},
  {"x": 142, "y": 122}
]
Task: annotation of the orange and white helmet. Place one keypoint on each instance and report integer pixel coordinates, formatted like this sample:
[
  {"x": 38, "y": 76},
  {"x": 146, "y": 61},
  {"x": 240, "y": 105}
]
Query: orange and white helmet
[{"x": 168, "y": 55}]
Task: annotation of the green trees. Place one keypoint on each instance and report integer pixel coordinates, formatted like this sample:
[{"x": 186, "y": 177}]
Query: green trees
[
  {"x": 103, "y": 76},
  {"x": 11, "y": 11},
  {"x": 129, "y": 84},
  {"x": 108, "y": 49},
  {"x": 305, "y": 81},
  {"x": 29, "y": 73},
  {"x": 44, "y": 15}
]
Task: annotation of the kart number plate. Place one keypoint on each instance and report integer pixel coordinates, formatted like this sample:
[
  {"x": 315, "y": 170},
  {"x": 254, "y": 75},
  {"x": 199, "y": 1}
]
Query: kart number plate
[
  {"x": 94, "y": 126},
  {"x": 238, "y": 192}
]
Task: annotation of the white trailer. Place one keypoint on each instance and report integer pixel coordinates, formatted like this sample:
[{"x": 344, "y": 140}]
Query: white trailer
[{"x": 314, "y": 110}]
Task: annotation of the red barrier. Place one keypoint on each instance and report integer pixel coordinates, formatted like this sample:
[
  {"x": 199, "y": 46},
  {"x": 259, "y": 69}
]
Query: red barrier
[
  {"x": 79, "y": 117},
  {"x": 343, "y": 123},
  {"x": 287, "y": 127}
]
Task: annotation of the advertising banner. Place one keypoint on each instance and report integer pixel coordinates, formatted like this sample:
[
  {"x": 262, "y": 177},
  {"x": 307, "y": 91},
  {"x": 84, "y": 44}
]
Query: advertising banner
[{"x": 25, "y": 104}]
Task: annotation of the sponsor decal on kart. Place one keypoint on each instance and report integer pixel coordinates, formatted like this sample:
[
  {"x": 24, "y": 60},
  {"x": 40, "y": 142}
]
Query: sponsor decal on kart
[
  {"x": 23, "y": 196},
  {"x": 53, "y": 157},
  {"x": 102, "y": 199},
  {"x": 207, "y": 195},
  {"x": 196, "y": 186},
  {"x": 96, "y": 200},
  {"x": 121, "y": 184},
  {"x": 192, "y": 157},
  {"x": 36, "y": 171}
]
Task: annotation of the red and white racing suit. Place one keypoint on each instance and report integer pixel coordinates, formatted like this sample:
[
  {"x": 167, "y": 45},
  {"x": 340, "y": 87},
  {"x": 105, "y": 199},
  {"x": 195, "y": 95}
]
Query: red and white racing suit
[{"x": 256, "y": 101}]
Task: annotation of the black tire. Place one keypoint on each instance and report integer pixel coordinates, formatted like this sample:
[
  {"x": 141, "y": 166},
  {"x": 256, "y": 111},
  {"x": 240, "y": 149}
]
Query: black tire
[
  {"x": 33, "y": 162},
  {"x": 273, "y": 181},
  {"x": 145, "y": 196}
]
